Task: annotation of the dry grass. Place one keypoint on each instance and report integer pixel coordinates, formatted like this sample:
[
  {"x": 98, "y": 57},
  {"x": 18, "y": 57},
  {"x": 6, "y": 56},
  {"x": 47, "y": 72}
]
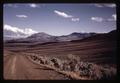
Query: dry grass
[{"x": 74, "y": 68}]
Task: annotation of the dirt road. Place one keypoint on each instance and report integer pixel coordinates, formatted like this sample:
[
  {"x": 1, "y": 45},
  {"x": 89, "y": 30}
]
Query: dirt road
[{"x": 18, "y": 67}]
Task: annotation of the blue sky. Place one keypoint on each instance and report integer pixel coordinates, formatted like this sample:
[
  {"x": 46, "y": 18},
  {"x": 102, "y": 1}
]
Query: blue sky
[{"x": 61, "y": 19}]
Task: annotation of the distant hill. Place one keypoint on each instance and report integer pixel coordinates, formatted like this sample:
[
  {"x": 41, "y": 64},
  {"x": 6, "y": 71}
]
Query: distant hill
[
  {"x": 111, "y": 36},
  {"x": 74, "y": 36}
]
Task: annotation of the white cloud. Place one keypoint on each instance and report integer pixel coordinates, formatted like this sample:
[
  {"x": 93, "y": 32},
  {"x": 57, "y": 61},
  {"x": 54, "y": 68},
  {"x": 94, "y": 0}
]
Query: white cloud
[
  {"x": 21, "y": 16},
  {"x": 98, "y": 5},
  {"x": 97, "y": 19},
  {"x": 11, "y": 5},
  {"x": 14, "y": 29},
  {"x": 75, "y": 19},
  {"x": 105, "y": 5},
  {"x": 110, "y": 5},
  {"x": 100, "y": 19},
  {"x": 113, "y": 18},
  {"x": 33, "y": 5},
  {"x": 63, "y": 14},
  {"x": 26, "y": 31},
  {"x": 29, "y": 31}
]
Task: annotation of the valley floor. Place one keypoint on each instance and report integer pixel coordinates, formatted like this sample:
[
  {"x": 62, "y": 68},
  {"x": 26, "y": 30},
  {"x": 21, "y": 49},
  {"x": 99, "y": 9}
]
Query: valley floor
[{"x": 17, "y": 66}]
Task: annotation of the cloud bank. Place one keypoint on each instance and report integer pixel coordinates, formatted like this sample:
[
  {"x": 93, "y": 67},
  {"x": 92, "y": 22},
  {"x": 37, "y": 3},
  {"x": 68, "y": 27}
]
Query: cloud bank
[{"x": 26, "y": 31}]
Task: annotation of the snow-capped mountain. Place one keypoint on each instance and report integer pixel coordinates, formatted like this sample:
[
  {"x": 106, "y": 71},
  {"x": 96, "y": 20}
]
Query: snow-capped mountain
[{"x": 16, "y": 33}]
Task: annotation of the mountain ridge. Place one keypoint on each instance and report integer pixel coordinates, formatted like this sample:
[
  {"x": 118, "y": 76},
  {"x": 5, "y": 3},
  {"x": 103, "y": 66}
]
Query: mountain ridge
[{"x": 43, "y": 37}]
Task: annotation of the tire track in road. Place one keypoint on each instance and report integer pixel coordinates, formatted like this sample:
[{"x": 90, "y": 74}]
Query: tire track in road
[
  {"x": 13, "y": 69},
  {"x": 9, "y": 67}
]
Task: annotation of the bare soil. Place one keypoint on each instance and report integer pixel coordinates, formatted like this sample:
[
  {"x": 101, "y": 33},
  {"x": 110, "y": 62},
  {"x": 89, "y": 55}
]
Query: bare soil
[{"x": 16, "y": 66}]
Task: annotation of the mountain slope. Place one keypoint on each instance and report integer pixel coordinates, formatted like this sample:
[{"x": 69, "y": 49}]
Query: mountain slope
[
  {"x": 110, "y": 36},
  {"x": 74, "y": 36},
  {"x": 41, "y": 37}
]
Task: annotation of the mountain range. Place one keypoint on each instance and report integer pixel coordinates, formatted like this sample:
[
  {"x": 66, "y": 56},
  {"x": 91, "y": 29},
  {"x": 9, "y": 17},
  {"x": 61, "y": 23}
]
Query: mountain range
[
  {"x": 23, "y": 36},
  {"x": 42, "y": 37}
]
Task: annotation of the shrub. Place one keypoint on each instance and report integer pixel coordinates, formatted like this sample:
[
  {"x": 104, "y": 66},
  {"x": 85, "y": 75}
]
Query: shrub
[
  {"x": 73, "y": 58},
  {"x": 73, "y": 64},
  {"x": 66, "y": 67},
  {"x": 57, "y": 63}
]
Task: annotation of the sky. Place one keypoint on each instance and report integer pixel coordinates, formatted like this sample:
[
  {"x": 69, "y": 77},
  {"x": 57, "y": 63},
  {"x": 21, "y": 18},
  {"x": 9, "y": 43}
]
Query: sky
[{"x": 60, "y": 19}]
